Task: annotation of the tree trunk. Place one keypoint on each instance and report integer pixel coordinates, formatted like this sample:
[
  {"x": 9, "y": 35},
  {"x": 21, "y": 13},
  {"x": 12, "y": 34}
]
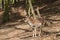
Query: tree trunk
[{"x": 2, "y": 4}]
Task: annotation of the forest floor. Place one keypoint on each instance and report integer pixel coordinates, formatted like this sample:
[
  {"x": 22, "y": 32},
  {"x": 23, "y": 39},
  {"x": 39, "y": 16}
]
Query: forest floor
[{"x": 22, "y": 31}]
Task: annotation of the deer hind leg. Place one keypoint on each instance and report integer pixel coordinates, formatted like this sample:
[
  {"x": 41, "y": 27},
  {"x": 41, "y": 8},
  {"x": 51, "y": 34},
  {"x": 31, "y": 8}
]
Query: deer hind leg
[
  {"x": 35, "y": 32},
  {"x": 39, "y": 32}
]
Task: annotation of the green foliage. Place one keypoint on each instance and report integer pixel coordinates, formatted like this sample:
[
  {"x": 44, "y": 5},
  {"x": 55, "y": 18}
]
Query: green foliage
[
  {"x": 27, "y": 3},
  {"x": 33, "y": 1},
  {"x": 6, "y": 13},
  {"x": 12, "y": 1},
  {"x": 30, "y": 10},
  {"x": 6, "y": 8},
  {"x": 7, "y": 2}
]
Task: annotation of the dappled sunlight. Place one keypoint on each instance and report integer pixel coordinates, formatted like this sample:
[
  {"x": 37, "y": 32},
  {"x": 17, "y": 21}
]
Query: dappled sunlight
[{"x": 30, "y": 20}]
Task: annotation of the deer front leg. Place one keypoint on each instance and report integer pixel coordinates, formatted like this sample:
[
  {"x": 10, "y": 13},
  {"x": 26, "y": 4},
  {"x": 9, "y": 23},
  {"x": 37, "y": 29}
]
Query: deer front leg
[
  {"x": 39, "y": 32},
  {"x": 35, "y": 32}
]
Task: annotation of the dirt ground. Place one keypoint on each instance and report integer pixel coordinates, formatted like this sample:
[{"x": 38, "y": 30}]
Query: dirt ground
[
  {"x": 22, "y": 31},
  {"x": 18, "y": 31}
]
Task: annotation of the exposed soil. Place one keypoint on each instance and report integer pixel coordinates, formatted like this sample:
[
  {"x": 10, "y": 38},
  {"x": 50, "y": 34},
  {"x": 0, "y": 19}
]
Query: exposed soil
[
  {"x": 18, "y": 30},
  {"x": 22, "y": 31}
]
